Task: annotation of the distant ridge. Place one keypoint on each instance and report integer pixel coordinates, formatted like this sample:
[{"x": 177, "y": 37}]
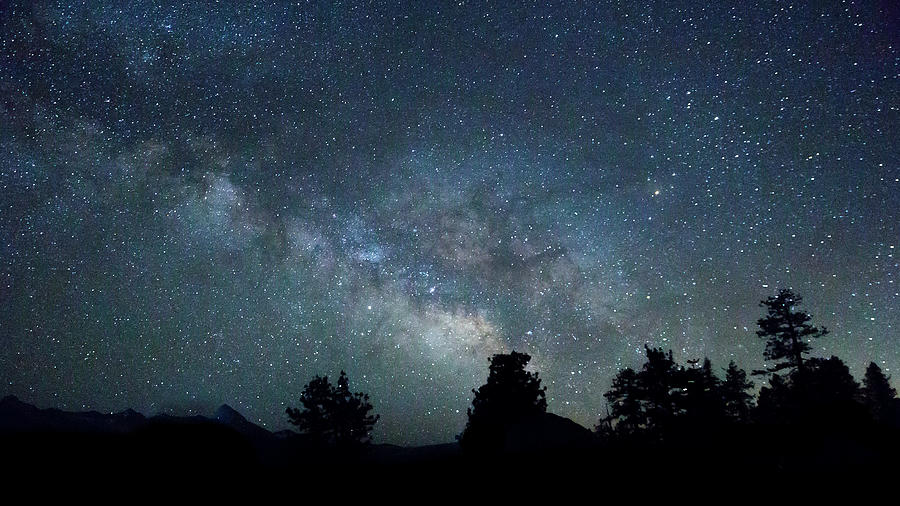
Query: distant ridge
[
  {"x": 226, "y": 415},
  {"x": 18, "y": 416},
  {"x": 227, "y": 440}
]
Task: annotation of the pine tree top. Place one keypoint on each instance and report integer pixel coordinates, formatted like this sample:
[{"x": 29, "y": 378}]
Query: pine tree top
[{"x": 787, "y": 331}]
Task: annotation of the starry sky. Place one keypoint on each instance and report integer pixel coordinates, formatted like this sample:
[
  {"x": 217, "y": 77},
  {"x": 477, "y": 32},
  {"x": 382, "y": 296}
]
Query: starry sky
[{"x": 211, "y": 202}]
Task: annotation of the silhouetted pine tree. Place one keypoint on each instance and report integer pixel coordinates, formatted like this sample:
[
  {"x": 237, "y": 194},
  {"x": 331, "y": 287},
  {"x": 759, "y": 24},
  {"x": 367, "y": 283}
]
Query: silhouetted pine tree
[
  {"x": 736, "y": 398},
  {"x": 787, "y": 332},
  {"x": 510, "y": 394},
  {"x": 878, "y": 394},
  {"x": 652, "y": 400},
  {"x": 334, "y": 415},
  {"x": 701, "y": 400},
  {"x": 830, "y": 381},
  {"x": 351, "y": 419},
  {"x": 827, "y": 394},
  {"x": 775, "y": 403},
  {"x": 624, "y": 398},
  {"x": 317, "y": 401},
  {"x": 661, "y": 388}
]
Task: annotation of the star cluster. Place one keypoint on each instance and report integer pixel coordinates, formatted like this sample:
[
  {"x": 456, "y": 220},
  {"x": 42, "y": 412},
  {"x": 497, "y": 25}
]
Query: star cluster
[{"x": 214, "y": 202}]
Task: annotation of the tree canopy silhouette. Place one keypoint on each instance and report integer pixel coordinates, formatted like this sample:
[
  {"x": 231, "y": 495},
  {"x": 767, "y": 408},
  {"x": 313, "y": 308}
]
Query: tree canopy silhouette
[
  {"x": 878, "y": 394},
  {"x": 823, "y": 392},
  {"x": 625, "y": 411},
  {"x": 736, "y": 397},
  {"x": 664, "y": 395},
  {"x": 787, "y": 332},
  {"x": 510, "y": 394},
  {"x": 333, "y": 415},
  {"x": 701, "y": 400},
  {"x": 661, "y": 388}
]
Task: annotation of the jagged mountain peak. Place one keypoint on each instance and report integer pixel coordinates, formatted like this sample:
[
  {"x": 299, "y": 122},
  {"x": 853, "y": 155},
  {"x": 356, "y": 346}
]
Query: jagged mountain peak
[{"x": 226, "y": 414}]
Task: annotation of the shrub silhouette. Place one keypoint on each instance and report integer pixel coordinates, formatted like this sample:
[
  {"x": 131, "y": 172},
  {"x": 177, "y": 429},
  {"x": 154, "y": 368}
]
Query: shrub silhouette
[{"x": 332, "y": 415}]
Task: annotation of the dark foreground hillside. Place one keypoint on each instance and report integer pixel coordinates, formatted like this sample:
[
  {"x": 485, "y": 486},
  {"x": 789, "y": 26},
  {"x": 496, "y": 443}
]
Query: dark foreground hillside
[{"x": 546, "y": 447}]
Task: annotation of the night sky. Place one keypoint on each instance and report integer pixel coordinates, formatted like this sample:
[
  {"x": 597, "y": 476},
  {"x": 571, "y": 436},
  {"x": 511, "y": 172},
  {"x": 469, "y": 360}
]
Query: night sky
[{"x": 208, "y": 203}]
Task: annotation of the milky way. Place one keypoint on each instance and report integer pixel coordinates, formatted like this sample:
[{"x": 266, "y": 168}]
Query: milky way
[{"x": 205, "y": 204}]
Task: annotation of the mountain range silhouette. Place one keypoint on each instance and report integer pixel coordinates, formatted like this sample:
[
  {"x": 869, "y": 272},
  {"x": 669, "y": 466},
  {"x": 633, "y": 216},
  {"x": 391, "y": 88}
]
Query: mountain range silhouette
[
  {"x": 228, "y": 439},
  {"x": 225, "y": 443}
]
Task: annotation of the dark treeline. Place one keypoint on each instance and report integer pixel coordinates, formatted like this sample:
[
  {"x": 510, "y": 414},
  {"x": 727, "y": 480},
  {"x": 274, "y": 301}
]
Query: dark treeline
[
  {"x": 665, "y": 398},
  {"x": 801, "y": 414},
  {"x": 809, "y": 413}
]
